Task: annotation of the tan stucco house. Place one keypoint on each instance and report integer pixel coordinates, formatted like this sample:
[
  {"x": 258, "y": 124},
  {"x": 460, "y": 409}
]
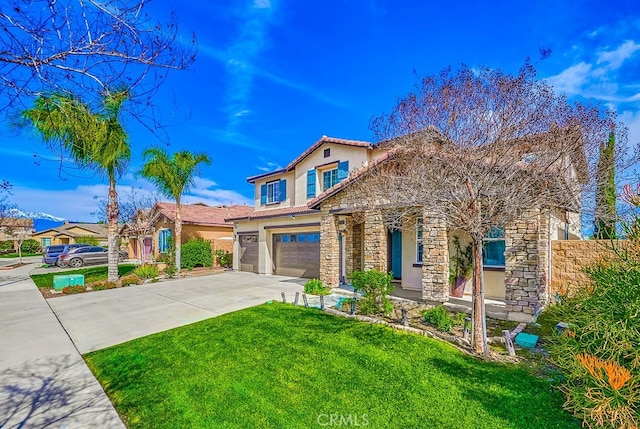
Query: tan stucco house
[
  {"x": 70, "y": 232},
  {"x": 198, "y": 221},
  {"x": 310, "y": 222}
]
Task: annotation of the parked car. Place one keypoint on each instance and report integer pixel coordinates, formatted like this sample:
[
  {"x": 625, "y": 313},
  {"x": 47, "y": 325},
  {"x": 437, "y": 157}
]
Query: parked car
[
  {"x": 51, "y": 253},
  {"x": 87, "y": 256}
]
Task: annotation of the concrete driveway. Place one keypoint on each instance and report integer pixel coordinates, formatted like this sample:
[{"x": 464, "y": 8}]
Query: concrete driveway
[{"x": 101, "y": 319}]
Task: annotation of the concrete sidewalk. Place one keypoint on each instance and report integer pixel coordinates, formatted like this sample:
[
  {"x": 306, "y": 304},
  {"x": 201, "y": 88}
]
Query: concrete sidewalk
[
  {"x": 101, "y": 319},
  {"x": 44, "y": 382}
]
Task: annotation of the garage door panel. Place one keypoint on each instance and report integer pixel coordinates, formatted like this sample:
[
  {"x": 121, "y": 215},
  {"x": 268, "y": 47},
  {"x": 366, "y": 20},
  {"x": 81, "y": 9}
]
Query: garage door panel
[
  {"x": 249, "y": 253},
  {"x": 297, "y": 255}
]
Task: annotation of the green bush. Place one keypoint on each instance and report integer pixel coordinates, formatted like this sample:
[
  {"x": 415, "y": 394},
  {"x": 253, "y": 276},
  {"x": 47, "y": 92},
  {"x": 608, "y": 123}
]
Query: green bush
[
  {"x": 170, "y": 270},
  {"x": 375, "y": 286},
  {"x": 599, "y": 353},
  {"x": 70, "y": 290},
  {"x": 30, "y": 246},
  {"x": 88, "y": 239},
  {"x": 103, "y": 285},
  {"x": 196, "y": 253},
  {"x": 316, "y": 287},
  {"x": 147, "y": 271},
  {"x": 131, "y": 279},
  {"x": 6, "y": 245},
  {"x": 224, "y": 258},
  {"x": 439, "y": 318}
]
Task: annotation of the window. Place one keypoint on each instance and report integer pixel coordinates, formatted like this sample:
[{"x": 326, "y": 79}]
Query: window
[
  {"x": 327, "y": 153},
  {"x": 419, "y": 235},
  {"x": 273, "y": 192},
  {"x": 493, "y": 251},
  {"x": 164, "y": 240},
  {"x": 45, "y": 241},
  {"x": 311, "y": 183},
  {"x": 329, "y": 179}
]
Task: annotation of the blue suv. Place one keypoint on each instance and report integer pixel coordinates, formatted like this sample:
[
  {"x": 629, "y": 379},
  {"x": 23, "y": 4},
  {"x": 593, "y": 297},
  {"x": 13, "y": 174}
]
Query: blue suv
[{"x": 51, "y": 253}]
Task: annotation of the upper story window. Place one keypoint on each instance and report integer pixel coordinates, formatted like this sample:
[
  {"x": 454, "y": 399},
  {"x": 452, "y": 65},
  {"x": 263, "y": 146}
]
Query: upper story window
[
  {"x": 273, "y": 192},
  {"x": 419, "y": 237},
  {"x": 494, "y": 247},
  {"x": 329, "y": 178}
]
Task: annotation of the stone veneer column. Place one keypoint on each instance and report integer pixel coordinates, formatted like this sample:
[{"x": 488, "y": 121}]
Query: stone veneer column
[
  {"x": 435, "y": 259},
  {"x": 375, "y": 241},
  {"x": 527, "y": 266},
  {"x": 329, "y": 248}
]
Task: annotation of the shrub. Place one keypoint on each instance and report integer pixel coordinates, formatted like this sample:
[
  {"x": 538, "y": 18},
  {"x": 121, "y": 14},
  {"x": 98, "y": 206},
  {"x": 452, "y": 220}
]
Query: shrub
[
  {"x": 439, "y": 318},
  {"x": 30, "y": 246},
  {"x": 147, "y": 271},
  {"x": 88, "y": 239},
  {"x": 375, "y": 285},
  {"x": 70, "y": 290},
  {"x": 196, "y": 253},
  {"x": 103, "y": 285},
  {"x": 599, "y": 353},
  {"x": 6, "y": 245},
  {"x": 224, "y": 258},
  {"x": 316, "y": 287},
  {"x": 131, "y": 279},
  {"x": 170, "y": 270}
]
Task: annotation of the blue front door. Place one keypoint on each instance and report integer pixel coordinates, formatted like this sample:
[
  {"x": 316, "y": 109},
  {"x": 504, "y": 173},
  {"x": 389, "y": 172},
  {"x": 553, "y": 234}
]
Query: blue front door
[{"x": 396, "y": 254}]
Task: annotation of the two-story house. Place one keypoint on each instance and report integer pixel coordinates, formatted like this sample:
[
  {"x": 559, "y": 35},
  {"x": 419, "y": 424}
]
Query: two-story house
[{"x": 282, "y": 235}]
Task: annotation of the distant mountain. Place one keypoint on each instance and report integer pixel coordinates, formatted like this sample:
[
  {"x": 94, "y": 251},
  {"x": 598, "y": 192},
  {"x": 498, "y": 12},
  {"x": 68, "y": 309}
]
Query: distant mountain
[{"x": 41, "y": 221}]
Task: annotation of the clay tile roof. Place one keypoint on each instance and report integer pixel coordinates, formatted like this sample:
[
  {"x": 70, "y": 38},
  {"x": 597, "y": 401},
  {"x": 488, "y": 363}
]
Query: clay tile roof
[
  {"x": 286, "y": 211},
  {"x": 309, "y": 151},
  {"x": 201, "y": 214}
]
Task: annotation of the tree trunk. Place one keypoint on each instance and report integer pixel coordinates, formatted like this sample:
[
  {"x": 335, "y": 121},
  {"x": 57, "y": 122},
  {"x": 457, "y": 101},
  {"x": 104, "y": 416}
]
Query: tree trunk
[
  {"x": 178, "y": 238},
  {"x": 479, "y": 338},
  {"x": 112, "y": 228}
]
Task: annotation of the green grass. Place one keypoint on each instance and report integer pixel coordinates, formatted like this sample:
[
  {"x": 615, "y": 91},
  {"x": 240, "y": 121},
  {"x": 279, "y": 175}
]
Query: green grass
[
  {"x": 279, "y": 366},
  {"x": 15, "y": 255},
  {"x": 91, "y": 274}
]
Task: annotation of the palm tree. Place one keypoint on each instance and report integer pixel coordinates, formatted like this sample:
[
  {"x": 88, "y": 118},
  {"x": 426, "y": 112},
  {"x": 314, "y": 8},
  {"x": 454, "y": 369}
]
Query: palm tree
[
  {"x": 172, "y": 176},
  {"x": 94, "y": 140}
]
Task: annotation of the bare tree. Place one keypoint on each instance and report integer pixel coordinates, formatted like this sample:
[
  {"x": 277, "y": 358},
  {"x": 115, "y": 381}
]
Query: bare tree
[
  {"x": 480, "y": 149},
  {"x": 138, "y": 216},
  {"x": 87, "y": 47}
]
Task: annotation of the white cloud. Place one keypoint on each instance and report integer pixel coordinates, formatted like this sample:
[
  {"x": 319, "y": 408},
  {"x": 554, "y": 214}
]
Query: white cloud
[
  {"x": 615, "y": 58},
  {"x": 261, "y": 4},
  {"x": 203, "y": 191},
  {"x": 571, "y": 79},
  {"x": 268, "y": 165}
]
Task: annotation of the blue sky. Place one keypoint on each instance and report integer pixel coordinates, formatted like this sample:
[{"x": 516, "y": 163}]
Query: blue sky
[{"x": 272, "y": 76}]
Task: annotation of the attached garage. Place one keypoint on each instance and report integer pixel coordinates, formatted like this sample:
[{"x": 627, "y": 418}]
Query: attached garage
[
  {"x": 249, "y": 252},
  {"x": 297, "y": 254}
]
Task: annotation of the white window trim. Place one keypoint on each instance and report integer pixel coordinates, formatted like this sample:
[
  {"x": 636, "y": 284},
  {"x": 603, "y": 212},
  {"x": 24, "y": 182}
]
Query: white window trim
[
  {"x": 273, "y": 192},
  {"x": 330, "y": 171}
]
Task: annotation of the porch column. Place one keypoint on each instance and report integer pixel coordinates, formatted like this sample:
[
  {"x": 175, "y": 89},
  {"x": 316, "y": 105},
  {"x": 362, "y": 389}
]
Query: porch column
[
  {"x": 435, "y": 259},
  {"x": 375, "y": 241},
  {"x": 329, "y": 248},
  {"x": 527, "y": 266}
]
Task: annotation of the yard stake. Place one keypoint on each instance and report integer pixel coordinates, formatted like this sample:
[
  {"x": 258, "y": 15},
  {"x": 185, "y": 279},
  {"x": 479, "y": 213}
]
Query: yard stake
[
  {"x": 304, "y": 298},
  {"x": 509, "y": 342},
  {"x": 353, "y": 306},
  {"x": 284, "y": 298},
  {"x": 295, "y": 301},
  {"x": 405, "y": 321},
  {"x": 322, "y": 302},
  {"x": 465, "y": 330}
]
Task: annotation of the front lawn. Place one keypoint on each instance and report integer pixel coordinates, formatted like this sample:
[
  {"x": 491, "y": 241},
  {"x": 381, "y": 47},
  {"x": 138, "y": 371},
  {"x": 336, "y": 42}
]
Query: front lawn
[
  {"x": 16, "y": 255},
  {"x": 279, "y": 366},
  {"x": 91, "y": 274}
]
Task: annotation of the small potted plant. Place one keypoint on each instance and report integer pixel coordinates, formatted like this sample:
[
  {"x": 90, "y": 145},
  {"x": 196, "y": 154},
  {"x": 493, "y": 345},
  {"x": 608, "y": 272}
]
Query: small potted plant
[{"x": 460, "y": 268}]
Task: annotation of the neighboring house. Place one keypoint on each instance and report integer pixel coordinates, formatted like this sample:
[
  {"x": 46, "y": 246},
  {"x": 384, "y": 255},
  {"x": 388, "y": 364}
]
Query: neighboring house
[
  {"x": 198, "y": 221},
  {"x": 70, "y": 232},
  {"x": 15, "y": 229},
  {"x": 309, "y": 222},
  {"x": 282, "y": 235}
]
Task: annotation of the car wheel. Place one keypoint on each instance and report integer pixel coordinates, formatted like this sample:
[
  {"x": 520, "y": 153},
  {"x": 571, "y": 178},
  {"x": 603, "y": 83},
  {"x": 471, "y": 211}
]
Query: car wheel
[
  {"x": 120, "y": 258},
  {"x": 75, "y": 262}
]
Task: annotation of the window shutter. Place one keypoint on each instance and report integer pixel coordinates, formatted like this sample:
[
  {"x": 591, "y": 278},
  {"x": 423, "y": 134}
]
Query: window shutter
[
  {"x": 263, "y": 194},
  {"x": 343, "y": 170},
  {"x": 311, "y": 183},
  {"x": 283, "y": 190}
]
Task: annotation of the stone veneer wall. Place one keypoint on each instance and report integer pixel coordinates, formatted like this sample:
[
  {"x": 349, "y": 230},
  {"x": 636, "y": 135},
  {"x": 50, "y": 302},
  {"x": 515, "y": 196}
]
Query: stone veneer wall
[
  {"x": 571, "y": 257},
  {"x": 527, "y": 265},
  {"x": 435, "y": 259},
  {"x": 329, "y": 248},
  {"x": 375, "y": 241}
]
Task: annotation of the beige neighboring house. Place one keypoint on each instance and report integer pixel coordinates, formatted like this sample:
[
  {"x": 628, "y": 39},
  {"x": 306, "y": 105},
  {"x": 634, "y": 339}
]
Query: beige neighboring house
[
  {"x": 308, "y": 222},
  {"x": 15, "y": 229},
  {"x": 70, "y": 232},
  {"x": 198, "y": 221}
]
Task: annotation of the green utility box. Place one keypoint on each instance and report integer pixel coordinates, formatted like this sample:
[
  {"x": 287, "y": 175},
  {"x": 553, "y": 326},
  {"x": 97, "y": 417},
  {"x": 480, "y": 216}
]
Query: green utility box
[{"x": 62, "y": 281}]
